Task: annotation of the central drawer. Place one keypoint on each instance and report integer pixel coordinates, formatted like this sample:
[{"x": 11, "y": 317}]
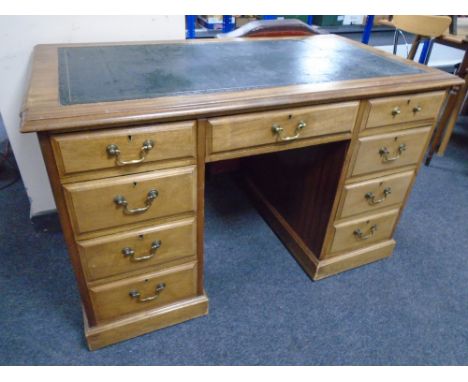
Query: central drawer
[
  {"x": 144, "y": 292},
  {"x": 106, "y": 203},
  {"x": 257, "y": 129}
]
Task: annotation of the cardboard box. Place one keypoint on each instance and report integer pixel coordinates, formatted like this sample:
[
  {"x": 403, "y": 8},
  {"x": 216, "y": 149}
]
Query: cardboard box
[{"x": 377, "y": 18}]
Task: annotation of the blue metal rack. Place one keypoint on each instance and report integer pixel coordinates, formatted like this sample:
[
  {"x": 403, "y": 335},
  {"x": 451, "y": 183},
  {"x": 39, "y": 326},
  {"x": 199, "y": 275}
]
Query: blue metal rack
[
  {"x": 427, "y": 46},
  {"x": 368, "y": 29},
  {"x": 190, "y": 22},
  {"x": 228, "y": 26}
]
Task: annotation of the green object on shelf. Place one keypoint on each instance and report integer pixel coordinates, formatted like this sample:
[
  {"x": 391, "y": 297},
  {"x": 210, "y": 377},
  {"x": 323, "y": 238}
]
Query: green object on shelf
[{"x": 328, "y": 20}]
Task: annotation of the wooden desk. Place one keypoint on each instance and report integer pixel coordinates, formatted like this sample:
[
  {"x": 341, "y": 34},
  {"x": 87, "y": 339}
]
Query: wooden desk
[{"x": 127, "y": 129}]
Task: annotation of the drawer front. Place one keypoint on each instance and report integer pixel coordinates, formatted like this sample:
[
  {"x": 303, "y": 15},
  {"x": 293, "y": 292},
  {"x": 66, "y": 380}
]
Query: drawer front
[
  {"x": 408, "y": 108},
  {"x": 376, "y": 193},
  {"x": 125, "y": 252},
  {"x": 107, "y": 203},
  {"x": 363, "y": 231},
  {"x": 387, "y": 151},
  {"x": 144, "y": 292},
  {"x": 77, "y": 152},
  {"x": 257, "y": 129},
  {"x": 354, "y": 259}
]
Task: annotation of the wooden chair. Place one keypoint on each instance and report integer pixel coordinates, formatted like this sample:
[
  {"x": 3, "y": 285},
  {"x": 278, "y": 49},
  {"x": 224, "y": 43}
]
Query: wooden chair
[{"x": 423, "y": 27}]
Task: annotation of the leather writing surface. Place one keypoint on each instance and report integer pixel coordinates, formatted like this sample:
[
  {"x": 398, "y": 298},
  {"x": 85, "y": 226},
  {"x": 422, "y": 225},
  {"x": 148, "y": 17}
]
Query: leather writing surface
[{"x": 128, "y": 72}]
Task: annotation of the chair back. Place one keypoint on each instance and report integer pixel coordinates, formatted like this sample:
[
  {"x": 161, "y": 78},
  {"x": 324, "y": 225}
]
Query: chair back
[{"x": 425, "y": 26}]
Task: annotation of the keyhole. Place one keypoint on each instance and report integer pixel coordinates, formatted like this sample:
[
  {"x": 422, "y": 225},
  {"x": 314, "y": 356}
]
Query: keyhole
[
  {"x": 129, "y": 138},
  {"x": 289, "y": 116},
  {"x": 134, "y": 184},
  {"x": 140, "y": 237}
]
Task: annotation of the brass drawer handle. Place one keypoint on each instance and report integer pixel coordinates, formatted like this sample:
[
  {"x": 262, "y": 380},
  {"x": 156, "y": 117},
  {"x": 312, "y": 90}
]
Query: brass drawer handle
[
  {"x": 121, "y": 201},
  {"x": 361, "y": 236},
  {"x": 130, "y": 252},
  {"x": 396, "y": 111},
  {"x": 113, "y": 150},
  {"x": 384, "y": 153},
  {"x": 136, "y": 294},
  {"x": 278, "y": 130},
  {"x": 370, "y": 197}
]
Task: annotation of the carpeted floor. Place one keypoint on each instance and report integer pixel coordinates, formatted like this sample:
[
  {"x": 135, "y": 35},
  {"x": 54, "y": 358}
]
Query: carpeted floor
[{"x": 409, "y": 309}]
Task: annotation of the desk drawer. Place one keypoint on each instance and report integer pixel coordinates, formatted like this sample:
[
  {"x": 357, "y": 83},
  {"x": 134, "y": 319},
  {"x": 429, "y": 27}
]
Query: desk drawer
[
  {"x": 107, "y": 203},
  {"x": 77, "y": 152},
  {"x": 387, "y": 151},
  {"x": 375, "y": 193},
  {"x": 144, "y": 292},
  {"x": 257, "y": 129},
  {"x": 363, "y": 231},
  {"x": 125, "y": 252},
  {"x": 408, "y": 108}
]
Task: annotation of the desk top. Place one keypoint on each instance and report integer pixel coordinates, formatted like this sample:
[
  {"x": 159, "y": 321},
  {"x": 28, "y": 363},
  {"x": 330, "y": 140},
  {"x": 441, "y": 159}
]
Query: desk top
[
  {"x": 99, "y": 85},
  {"x": 125, "y": 72}
]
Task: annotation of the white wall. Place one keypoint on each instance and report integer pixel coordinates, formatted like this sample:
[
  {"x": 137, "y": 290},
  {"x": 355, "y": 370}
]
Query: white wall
[{"x": 18, "y": 36}]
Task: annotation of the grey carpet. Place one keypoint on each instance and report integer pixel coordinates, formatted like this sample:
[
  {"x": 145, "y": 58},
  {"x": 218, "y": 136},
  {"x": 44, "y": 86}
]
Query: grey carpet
[{"x": 409, "y": 309}]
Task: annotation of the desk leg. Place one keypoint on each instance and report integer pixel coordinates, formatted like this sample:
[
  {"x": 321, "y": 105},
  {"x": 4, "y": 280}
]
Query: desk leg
[
  {"x": 453, "y": 119},
  {"x": 449, "y": 116},
  {"x": 201, "y": 154},
  {"x": 449, "y": 113}
]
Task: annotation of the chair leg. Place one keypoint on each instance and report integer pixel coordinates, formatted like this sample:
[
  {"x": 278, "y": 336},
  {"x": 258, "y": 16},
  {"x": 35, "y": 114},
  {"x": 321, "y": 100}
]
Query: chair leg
[
  {"x": 396, "y": 36},
  {"x": 449, "y": 122},
  {"x": 442, "y": 123},
  {"x": 452, "y": 121},
  {"x": 414, "y": 47}
]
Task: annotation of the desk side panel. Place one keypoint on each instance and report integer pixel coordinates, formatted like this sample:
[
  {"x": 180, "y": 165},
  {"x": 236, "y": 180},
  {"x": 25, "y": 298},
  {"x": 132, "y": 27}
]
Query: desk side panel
[{"x": 65, "y": 222}]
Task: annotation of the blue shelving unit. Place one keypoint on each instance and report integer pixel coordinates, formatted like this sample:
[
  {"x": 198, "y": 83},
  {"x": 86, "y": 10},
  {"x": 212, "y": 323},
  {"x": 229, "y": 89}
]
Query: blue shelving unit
[
  {"x": 368, "y": 29},
  {"x": 190, "y": 22},
  {"x": 426, "y": 49},
  {"x": 228, "y": 25}
]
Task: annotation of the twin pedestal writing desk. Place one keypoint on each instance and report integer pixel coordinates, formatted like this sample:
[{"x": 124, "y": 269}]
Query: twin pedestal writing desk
[{"x": 329, "y": 134}]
